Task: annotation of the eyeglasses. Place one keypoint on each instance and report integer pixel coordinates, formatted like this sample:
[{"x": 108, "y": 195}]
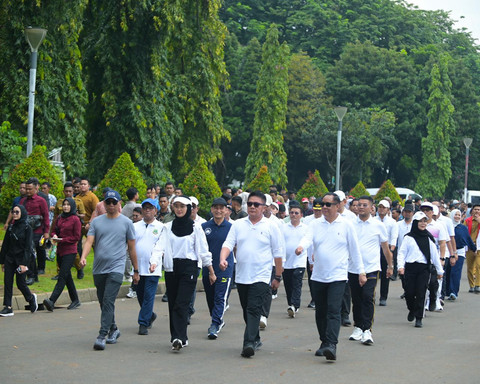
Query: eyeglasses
[
  {"x": 254, "y": 204},
  {"x": 294, "y": 213},
  {"x": 328, "y": 205},
  {"x": 16, "y": 212},
  {"x": 148, "y": 207},
  {"x": 362, "y": 205},
  {"x": 111, "y": 202}
]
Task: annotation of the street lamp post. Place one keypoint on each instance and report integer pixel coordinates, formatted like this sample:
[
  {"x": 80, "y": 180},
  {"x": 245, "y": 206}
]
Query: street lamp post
[
  {"x": 34, "y": 37},
  {"x": 340, "y": 112},
  {"x": 467, "y": 141}
]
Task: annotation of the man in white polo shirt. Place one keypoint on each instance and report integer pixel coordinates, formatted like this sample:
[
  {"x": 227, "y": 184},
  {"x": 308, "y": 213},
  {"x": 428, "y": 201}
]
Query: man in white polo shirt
[
  {"x": 259, "y": 243},
  {"x": 335, "y": 247},
  {"x": 372, "y": 235}
]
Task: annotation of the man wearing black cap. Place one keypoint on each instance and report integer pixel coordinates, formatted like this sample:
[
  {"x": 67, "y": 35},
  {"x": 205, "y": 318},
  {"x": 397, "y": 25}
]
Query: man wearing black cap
[
  {"x": 111, "y": 234},
  {"x": 216, "y": 231}
]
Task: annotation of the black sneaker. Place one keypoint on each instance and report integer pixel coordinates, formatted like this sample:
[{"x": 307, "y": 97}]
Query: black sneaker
[
  {"x": 33, "y": 303},
  {"x": 99, "y": 343},
  {"x": 410, "y": 316},
  {"x": 165, "y": 298},
  {"x": 54, "y": 277},
  {"x": 311, "y": 305},
  {"x": 143, "y": 330},
  {"x": 41, "y": 271},
  {"x": 248, "y": 351},
  {"x": 30, "y": 281},
  {"x": 5, "y": 312},
  {"x": 112, "y": 336},
  {"x": 152, "y": 319},
  {"x": 74, "y": 304},
  {"x": 47, "y": 303}
]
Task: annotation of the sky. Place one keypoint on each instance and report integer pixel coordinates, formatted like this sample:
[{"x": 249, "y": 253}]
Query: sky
[{"x": 469, "y": 9}]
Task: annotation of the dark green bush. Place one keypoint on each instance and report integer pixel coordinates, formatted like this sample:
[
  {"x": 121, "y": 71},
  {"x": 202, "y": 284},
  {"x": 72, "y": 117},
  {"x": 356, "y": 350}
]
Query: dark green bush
[
  {"x": 313, "y": 186},
  {"x": 387, "y": 189},
  {"x": 262, "y": 181},
  {"x": 359, "y": 190}
]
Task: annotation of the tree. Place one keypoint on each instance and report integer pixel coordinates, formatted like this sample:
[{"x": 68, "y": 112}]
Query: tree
[
  {"x": 200, "y": 183},
  {"x": 35, "y": 165},
  {"x": 11, "y": 150},
  {"x": 269, "y": 125},
  {"x": 262, "y": 181},
  {"x": 436, "y": 166},
  {"x": 359, "y": 190},
  {"x": 123, "y": 175},
  {"x": 387, "y": 189},
  {"x": 313, "y": 186},
  {"x": 61, "y": 96}
]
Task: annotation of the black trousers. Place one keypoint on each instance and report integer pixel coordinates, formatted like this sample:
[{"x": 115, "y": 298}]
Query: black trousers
[
  {"x": 309, "y": 276},
  {"x": 384, "y": 281},
  {"x": 65, "y": 263},
  {"x": 328, "y": 304},
  {"x": 10, "y": 272},
  {"x": 181, "y": 284},
  {"x": 363, "y": 299},
  {"x": 417, "y": 277},
  {"x": 346, "y": 302},
  {"x": 292, "y": 281},
  {"x": 267, "y": 300},
  {"x": 252, "y": 298}
]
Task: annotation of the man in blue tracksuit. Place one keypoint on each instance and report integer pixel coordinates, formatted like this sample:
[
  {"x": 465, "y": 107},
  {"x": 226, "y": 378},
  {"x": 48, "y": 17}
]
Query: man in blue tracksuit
[{"x": 216, "y": 231}]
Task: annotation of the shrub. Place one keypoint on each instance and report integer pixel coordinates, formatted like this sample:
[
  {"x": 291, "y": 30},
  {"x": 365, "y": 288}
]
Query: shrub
[
  {"x": 313, "y": 186},
  {"x": 262, "y": 181},
  {"x": 123, "y": 175},
  {"x": 35, "y": 165},
  {"x": 11, "y": 150},
  {"x": 200, "y": 182},
  {"x": 359, "y": 190},
  {"x": 387, "y": 189}
]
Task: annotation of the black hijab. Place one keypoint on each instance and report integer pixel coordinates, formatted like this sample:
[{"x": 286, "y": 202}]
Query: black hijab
[
  {"x": 422, "y": 239},
  {"x": 183, "y": 226},
  {"x": 73, "y": 208},
  {"x": 18, "y": 225}
]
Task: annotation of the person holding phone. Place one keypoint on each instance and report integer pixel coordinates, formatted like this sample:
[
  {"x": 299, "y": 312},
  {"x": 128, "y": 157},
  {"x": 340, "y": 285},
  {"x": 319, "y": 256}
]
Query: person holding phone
[
  {"x": 67, "y": 233},
  {"x": 14, "y": 258}
]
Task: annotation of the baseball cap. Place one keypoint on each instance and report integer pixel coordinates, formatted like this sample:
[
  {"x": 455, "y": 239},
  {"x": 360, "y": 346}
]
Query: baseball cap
[
  {"x": 152, "y": 202},
  {"x": 384, "y": 203},
  {"x": 194, "y": 200},
  {"x": 113, "y": 195},
  {"x": 419, "y": 216},
  {"x": 305, "y": 200},
  {"x": 427, "y": 204},
  {"x": 409, "y": 207},
  {"x": 219, "y": 201},
  {"x": 340, "y": 194}
]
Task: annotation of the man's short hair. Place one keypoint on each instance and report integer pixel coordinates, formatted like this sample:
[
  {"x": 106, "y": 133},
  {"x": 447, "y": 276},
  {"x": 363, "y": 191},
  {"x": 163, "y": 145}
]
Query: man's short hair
[
  {"x": 85, "y": 178},
  {"x": 162, "y": 195},
  {"x": 366, "y": 197},
  {"x": 475, "y": 205},
  {"x": 294, "y": 204},
  {"x": 68, "y": 184},
  {"x": 179, "y": 189},
  {"x": 238, "y": 199},
  {"x": 138, "y": 210},
  {"x": 150, "y": 187},
  {"x": 169, "y": 183},
  {"x": 259, "y": 194},
  {"x": 336, "y": 199},
  {"x": 131, "y": 192},
  {"x": 33, "y": 180},
  {"x": 273, "y": 191},
  {"x": 227, "y": 197},
  {"x": 47, "y": 184}
]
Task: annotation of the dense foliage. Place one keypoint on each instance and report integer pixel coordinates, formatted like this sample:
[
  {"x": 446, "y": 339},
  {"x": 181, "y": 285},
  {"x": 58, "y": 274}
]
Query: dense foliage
[
  {"x": 262, "y": 181},
  {"x": 313, "y": 186},
  {"x": 359, "y": 190},
  {"x": 387, "y": 189},
  {"x": 11, "y": 151}
]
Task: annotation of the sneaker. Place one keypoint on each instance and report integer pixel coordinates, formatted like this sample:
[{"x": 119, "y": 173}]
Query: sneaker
[
  {"x": 54, "y": 277},
  {"x": 41, "y": 271},
  {"x": 142, "y": 330},
  {"x": 248, "y": 351},
  {"x": 257, "y": 345},
  {"x": 177, "y": 345},
  {"x": 33, "y": 303},
  {"x": 99, "y": 343},
  {"x": 213, "y": 331},
  {"x": 382, "y": 302},
  {"x": 113, "y": 335},
  {"x": 311, "y": 305},
  {"x": 477, "y": 289},
  {"x": 452, "y": 297},
  {"x": 367, "y": 337},
  {"x": 165, "y": 298},
  {"x": 152, "y": 319},
  {"x": 5, "y": 312},
  {"x": 47, "y": 303},
  {"x": 471, "y": 290},
  {"x": 263, "y": 323},
  {"x": 418, "y": 323},
  {"x": 131, "y": 293},
  {"x": 291, "y": 311},
  {"x": 356, "y": 334},
  {"x": 274, "y": 296},
  {"x": 74, "y": 305},
  {"x": 227, "y": 307},
  {"x": 410, "y": 317},
  {"x": 185, "y": 344}
]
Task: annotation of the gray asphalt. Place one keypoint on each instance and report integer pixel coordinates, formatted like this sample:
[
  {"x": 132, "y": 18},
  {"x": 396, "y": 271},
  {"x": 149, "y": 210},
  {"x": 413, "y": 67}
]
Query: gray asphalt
[{"x": 57, "y": 347}]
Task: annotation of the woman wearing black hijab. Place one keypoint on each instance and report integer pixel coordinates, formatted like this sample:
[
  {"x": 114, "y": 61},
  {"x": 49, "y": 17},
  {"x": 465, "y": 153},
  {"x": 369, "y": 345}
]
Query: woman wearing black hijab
[
  {"x": 66, "y": 234},
  {"x": 183, "y": 245},
  {"x": 415, "y": 258},
  {"x": 14, "y": 257}
]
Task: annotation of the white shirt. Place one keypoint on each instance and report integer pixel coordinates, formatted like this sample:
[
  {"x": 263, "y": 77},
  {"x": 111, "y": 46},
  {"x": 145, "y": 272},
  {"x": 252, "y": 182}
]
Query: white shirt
[
  {"x": 349, "y": 215},
  {"x": 438, "y": 231},
  {"x": 257, "y": 245},
  {"x": 192, "y": 247},
  {"x": 392, "y": 229},
  {"x": 334, "y": 244},
  {"x": 148, "y": 247},
  {"x": 448, "y": 223},
  {"x": 403, "y": 229},
  {"x": 410, "y": 253},
  {"x": 371, "y": 233},
  {"x": 292, "y": 236}
]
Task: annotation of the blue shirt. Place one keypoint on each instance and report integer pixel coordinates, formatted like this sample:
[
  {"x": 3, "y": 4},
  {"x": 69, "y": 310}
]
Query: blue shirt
[{"x": 216, "y": 235}]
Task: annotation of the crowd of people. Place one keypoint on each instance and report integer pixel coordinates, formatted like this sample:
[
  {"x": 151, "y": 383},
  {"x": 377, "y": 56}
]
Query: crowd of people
[{"x": 250, "y": 241}]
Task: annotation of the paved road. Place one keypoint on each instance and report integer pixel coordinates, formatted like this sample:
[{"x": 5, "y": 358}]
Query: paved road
[{"x": 57, "y": 347}]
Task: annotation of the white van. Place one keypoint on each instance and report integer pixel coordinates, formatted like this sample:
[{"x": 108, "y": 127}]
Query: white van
[
  {"x": 404, "y": 193},
  {"x": 473, "y": 197}
]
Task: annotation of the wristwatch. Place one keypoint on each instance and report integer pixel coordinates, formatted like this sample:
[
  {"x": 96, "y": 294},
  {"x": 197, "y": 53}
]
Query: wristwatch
[
  {"x": 278, "y": 278},
  {"x": 135, "y": 271}
]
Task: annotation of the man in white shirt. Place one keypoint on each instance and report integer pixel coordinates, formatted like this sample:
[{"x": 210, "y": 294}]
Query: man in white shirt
[
  {"x": 335, "y": 246},
  {"x": 392, "y": 231},
  {"x": 404, "y": 226},
  {"x": 259, "y": 243},
  {"x": 294, "y": 267},
  {"x": 372, "y": 235},
  {"x": 147, "y": 234}
]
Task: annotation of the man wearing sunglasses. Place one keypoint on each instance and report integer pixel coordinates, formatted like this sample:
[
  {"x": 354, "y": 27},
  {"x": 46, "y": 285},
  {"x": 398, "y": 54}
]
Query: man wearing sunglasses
[
  {"x": 111, "y": 233},
  {"x": 336, "y": 250},
  {"x": 259, "y": 243}
]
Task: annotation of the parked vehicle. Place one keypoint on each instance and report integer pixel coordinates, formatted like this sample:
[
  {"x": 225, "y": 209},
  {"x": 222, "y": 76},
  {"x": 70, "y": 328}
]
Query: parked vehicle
[
  {"x": 404, "y": 193},
  {"x": 473, "y": 197}
]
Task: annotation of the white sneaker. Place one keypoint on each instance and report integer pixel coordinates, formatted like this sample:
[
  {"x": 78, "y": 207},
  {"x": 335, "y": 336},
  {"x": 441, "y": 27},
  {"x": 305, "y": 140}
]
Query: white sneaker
[
  {"x": 367, "y": 337},
  {"x": 356, "y": 334},
  {"x": 263, "y": 322},
  {"x": 291, "y": 311},
  {"x": 274, "y": 297},
  {"x": 177, "y": 345},
  {"x": 131, "y": 294}
]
